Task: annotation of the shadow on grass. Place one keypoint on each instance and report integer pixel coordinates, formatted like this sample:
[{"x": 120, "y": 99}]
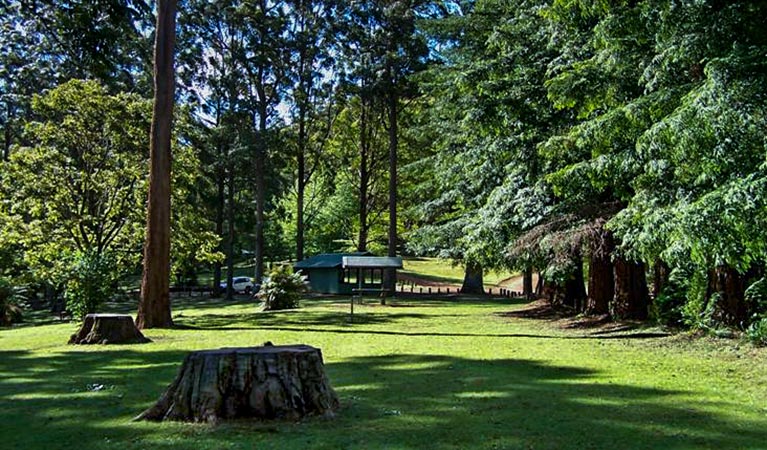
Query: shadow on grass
[
  {"x": 391, "y": 401},
  {"x": 298, "y": 319}
]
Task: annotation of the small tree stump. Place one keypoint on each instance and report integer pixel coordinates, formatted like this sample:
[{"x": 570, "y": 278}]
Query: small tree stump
[
  {"x": 269, "y": 382},
  {"x": 108, "y": 329}
]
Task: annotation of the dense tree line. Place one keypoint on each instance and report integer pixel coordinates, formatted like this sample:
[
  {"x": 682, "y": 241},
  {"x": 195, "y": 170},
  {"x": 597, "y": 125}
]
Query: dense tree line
[{"x": 616, "y": 149}]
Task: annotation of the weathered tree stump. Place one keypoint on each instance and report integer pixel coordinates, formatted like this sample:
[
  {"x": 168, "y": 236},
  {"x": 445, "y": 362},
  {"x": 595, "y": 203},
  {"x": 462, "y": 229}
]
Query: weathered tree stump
[
  {"x": 269, "y": 382},
  {"x": 108, "y": 329}
]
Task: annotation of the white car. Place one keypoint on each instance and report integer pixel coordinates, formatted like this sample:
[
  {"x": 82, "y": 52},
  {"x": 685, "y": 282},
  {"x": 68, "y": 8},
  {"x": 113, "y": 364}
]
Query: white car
[{"x": 240, "y": 284}]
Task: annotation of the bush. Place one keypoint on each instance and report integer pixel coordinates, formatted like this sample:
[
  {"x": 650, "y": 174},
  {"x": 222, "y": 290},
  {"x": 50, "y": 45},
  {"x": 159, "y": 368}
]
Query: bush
[
  {"x": 668, "y": 308},
  {"x": 9, "y": 310},
  {"x": 756, "y": 298},
  {"x": 91, "y": 282},
  {"x": 757, "y": 332},
  {"x": 283, "y": 288}
]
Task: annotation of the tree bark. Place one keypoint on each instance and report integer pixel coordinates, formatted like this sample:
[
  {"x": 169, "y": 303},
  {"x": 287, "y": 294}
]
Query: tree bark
[
  {"x": 631, "y": 297},
  {"x": 540, "y": 285},
  {"x": 661, "y": 272},
  {"x": 473, "y": 282},
  {"x": 527, "y": 283},
  {"x": 601, "y": 277},
  {"x": 260, "y": 169},
  {"x": 301, "y": 187},
  {"x": 390, "y": 279},
  {"x": 727, "y": 287},
  {"x": 154, "y": 307},
  {"x": 108, "y": 329},
  {"x": 230, "y": 235},
  {"x": 270, "y": 382},
  {"x": 7, "y": 132},
  {"x": 574, "y": 294},
  {"x": 362, "y": 239},
  {"x": 220, "y": 204}
]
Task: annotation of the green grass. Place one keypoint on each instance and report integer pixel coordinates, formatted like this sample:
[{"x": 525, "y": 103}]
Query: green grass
[
  {"x": 420, "y": 374},
  {"x": 444, "y": 271}
]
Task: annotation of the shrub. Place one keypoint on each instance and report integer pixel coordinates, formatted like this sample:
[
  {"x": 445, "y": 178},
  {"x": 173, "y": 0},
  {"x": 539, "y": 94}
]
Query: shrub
[
  {"x": 91, "y": 282},
  {"x": 283, "y": 288},
  {"x": 667, "y": 309},
  {"x": 9, "y": 310},
  {"x": 757, "y": 332},
  {"x": 756, "y": 298}
]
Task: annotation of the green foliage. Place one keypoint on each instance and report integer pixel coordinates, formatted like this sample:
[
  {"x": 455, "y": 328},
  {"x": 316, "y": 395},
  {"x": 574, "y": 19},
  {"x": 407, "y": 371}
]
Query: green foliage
[
  {"x": 283, "y": 289},
  {"x": 92, "y": 280},
  {"x": 667, "y": 309},
  {"x": 694, "y": 310},
  {"x": 10, "y": 312},
  {"x": 757, "y": 332},
  {"x": 80, "y": 184},
  {"x": 756, "y": 299}
]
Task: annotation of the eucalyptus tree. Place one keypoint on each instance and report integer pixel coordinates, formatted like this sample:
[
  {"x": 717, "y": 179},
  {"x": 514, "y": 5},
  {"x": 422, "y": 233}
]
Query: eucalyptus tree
[
  {"x": 212, "y": 76},
  {"x": 310, "y": 43},
  {"x": 154, "y": 305},
  {"x": 265, "y": 61}
]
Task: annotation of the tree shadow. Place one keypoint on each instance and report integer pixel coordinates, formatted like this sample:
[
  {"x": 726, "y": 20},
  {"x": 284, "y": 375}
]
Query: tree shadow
[
  {"x": 300, "y": 320},
  {"x": 513, "y": 403},
  {"x": 390, "y": 401}
]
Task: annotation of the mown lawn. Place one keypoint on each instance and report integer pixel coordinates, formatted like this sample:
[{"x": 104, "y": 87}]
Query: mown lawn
[
  {"x": 441, "y": 270},
  {"x": 420, "y": 374}
]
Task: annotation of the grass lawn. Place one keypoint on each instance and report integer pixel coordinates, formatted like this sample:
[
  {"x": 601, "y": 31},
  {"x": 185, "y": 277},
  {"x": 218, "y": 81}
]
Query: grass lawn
[
  {"x": 419, "y": 375},
  {"x": 442, "y": 270}
]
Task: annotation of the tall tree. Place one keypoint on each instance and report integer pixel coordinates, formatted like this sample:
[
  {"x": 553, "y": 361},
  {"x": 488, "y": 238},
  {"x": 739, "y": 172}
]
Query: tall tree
[
  {"x": 310, "y": 44},
  {"x": 154, "y": 306}
]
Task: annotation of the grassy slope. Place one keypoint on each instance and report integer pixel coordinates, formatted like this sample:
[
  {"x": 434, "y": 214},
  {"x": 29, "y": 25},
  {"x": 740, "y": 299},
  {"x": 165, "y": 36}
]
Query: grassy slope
[
  {"x": 436, "y": 374},
  {"x": 441, "y": 270}
]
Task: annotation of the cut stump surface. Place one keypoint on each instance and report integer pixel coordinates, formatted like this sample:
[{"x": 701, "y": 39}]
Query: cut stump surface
[
  {"x": 108, "y": 329},
  {"x": 270, "y": 382}
]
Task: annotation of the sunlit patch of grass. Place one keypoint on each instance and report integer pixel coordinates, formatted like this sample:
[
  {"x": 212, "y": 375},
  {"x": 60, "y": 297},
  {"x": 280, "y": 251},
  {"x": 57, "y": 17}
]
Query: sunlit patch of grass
[{"x": 446, "y": 271}]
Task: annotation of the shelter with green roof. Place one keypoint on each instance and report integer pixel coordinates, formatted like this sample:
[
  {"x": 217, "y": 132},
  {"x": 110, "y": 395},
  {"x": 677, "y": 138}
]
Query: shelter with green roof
[{"x": 342, "y": 273}]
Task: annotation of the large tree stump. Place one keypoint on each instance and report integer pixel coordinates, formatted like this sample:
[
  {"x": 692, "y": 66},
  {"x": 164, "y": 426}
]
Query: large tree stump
[
  {"x": 270, "y": 382},
  {"x": 108, "y": 329}
]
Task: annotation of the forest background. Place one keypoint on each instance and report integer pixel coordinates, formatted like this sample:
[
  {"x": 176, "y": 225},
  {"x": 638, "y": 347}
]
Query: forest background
[{"x": 616, "y": 148}]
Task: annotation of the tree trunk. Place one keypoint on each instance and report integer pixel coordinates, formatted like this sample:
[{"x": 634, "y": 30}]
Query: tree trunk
[
  {"x": 7, "y": 132},
  {"x": 539, "y": 286},
  {"x": 574, "y": 294},
  {"x": 230, "y": 235},
  {"x": 661, "y": 272},
  {"x": 260, "y": 192},
  {"x": 631, "y": 297},
  {"x": 270, "y": 382},
  {"x": 154, "y": 307},
  {"x": 108, "y": 329},
  {"x": 300, "y": 192},
  {"x": 727, "y": 287},
  {"x": 473, "y": 282},
  {"x": 390, "y": 275},
  {"x": 601, "y": 276},
  {"x": 301, "y": 188},
  {"x": 362, "y": 240},
  {"x": 527, "y": 283},
  {"x": 220, "y": 204}
]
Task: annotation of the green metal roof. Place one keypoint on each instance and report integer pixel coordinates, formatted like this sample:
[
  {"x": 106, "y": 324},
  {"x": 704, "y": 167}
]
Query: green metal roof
[
  {"x": 326, "y": 260},
  {"x": 372, "y": 262}
]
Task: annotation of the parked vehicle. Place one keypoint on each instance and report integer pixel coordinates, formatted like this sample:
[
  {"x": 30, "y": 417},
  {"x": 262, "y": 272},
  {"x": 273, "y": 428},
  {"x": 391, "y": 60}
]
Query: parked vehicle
[{"x": 240, "y": 285}]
